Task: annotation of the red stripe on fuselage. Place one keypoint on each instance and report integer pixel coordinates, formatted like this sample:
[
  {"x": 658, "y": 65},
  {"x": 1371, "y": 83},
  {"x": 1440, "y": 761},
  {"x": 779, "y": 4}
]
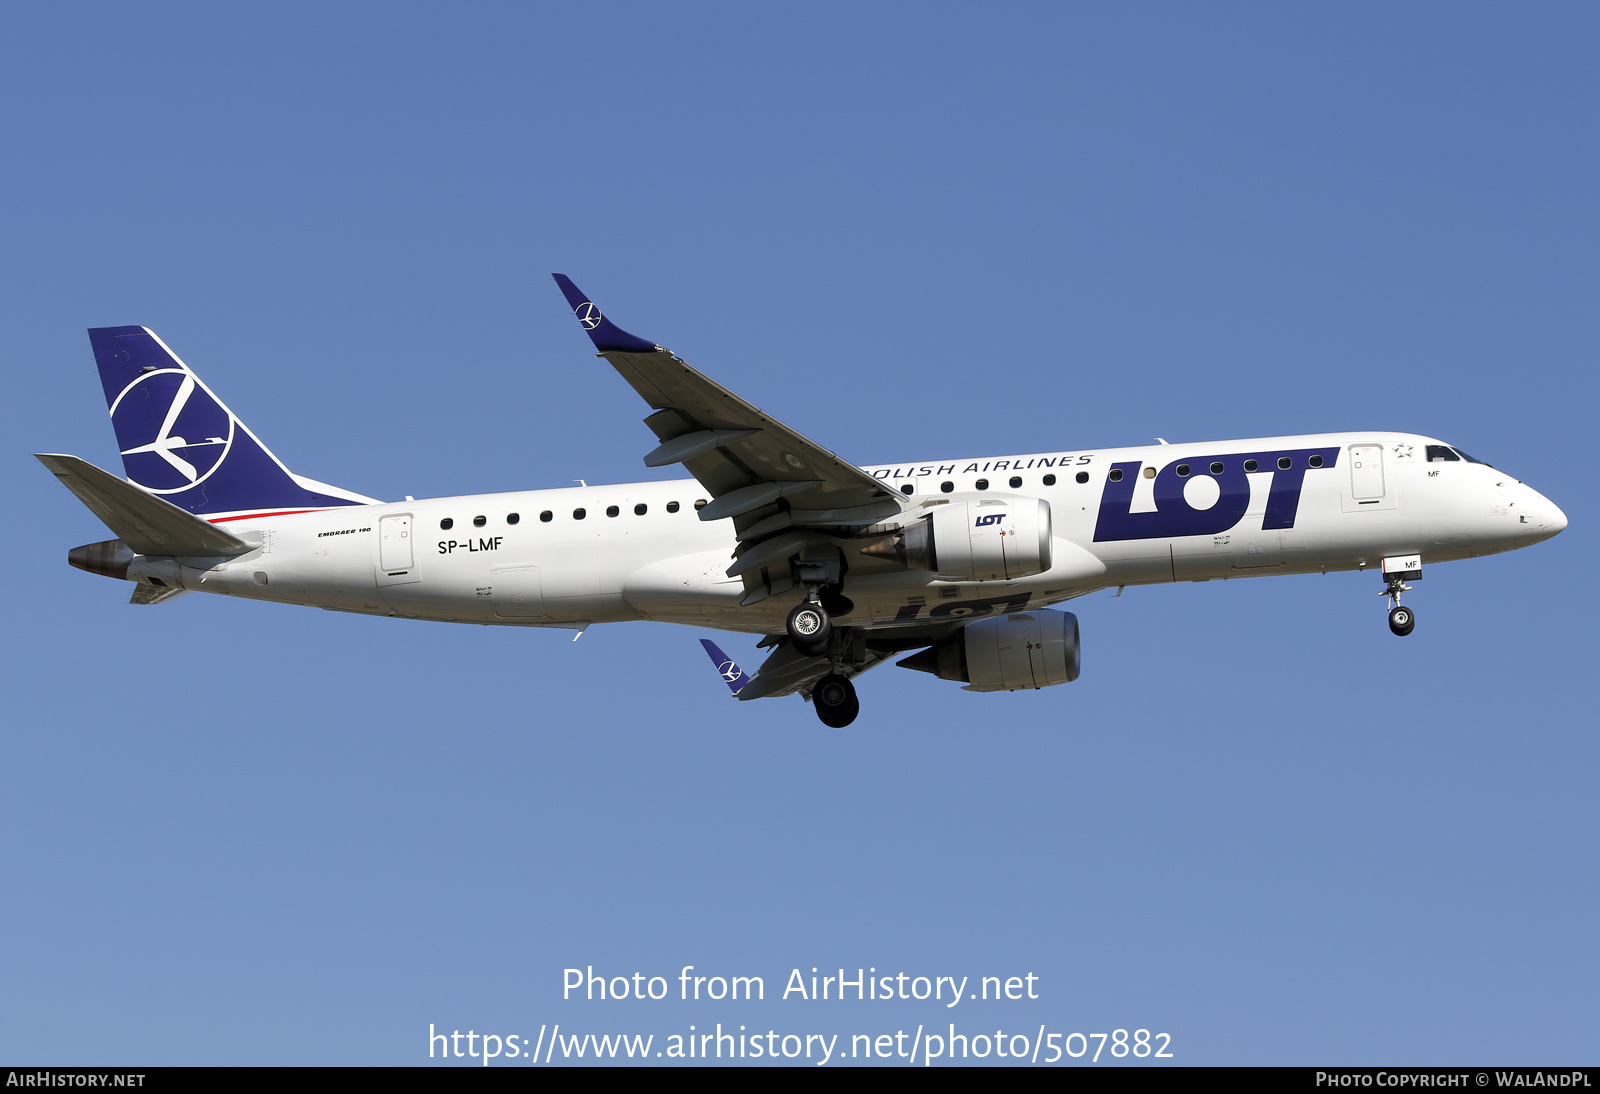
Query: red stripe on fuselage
[{"x": 255, "y": 516}]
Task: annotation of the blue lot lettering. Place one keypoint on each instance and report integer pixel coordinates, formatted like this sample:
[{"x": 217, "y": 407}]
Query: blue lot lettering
[
  {"x": 992, "y": 518},
  {"x": 1174, "y": 516},
  {"x": 450, "y": 546}
]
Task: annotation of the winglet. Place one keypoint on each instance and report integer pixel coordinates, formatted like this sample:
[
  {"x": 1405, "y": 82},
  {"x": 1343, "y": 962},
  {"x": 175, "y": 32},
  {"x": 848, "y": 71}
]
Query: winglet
[
  {"x": 732, "y": 674},
  {"x": 605, "y": 334}
]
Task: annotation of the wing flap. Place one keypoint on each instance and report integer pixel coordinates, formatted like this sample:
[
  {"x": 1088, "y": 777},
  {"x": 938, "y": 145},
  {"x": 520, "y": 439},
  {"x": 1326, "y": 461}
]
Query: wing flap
[
  {"x": 145, "y": 593},
  {"x": 690, "y": 445}
]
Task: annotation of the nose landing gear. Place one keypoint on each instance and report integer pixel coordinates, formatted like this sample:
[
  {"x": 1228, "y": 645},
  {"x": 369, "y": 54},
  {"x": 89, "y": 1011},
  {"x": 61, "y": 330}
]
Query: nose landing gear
[
  {"x": 1401, "y": 621},
  {"x": 1396, "y": 568}
]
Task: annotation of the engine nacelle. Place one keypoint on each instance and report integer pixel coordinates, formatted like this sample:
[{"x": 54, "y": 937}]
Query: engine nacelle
[
  {"x": 992, "y": 539},
  {"x": 1021, "y": 652}
]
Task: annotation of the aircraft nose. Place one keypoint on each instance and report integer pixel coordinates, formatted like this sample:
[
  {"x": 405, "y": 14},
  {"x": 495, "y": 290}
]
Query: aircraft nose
[
  {"x": 1550, "y": 519},
  {"x": 1557, "y": 520}
]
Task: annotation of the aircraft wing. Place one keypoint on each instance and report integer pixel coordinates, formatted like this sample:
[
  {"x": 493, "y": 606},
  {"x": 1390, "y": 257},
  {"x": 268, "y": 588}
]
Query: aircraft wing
[
  {"x": 784, "y": 672},
  {"x": 785, "y": 493},
  {"x": 787, "y": 671}
]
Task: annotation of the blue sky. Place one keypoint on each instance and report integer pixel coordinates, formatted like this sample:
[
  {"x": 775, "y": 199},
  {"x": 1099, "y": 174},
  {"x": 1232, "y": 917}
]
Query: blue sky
[{"x": 244, "y": 833}]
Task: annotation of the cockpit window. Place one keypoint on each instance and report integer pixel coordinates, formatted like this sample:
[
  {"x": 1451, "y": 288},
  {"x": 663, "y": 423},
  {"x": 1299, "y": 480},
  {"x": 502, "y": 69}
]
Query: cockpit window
[
  {"x": 1468, "y": 458},
  {"x": 1438, "y": 453}
]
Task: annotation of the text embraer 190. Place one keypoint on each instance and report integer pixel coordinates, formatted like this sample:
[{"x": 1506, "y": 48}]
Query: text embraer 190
[{"x": 840, "y": 567}]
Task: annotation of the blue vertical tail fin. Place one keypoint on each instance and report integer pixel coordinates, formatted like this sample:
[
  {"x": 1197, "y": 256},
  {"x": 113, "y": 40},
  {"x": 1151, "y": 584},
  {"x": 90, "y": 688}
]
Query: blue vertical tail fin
[{"x": 181, "y": 443}]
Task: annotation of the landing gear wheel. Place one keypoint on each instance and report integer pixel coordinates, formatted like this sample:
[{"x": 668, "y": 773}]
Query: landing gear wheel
[
  {"x": 834, "y": 696},
  {"x": 1402, "y": 621},
  {"x": 809, "y": 629}
]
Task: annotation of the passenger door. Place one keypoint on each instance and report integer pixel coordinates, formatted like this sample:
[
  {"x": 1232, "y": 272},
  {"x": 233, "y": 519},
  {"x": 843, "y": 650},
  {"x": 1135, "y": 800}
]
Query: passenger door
[
  {"x": 1366, "y": 472},
  {"x": 397, "y": 564}
]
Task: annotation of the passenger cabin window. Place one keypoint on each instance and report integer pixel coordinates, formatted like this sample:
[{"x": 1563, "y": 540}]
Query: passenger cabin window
[
  {"x": 1050, "y": 480},
  {"x": 479, "y": 522},
  {"x": 1315, "y": 461},
  {"x": 700, "y": 503},
  {"x": 946, "y": 487},
  {"x": 1251, "y": 465},
  {"x": 1116, "y": 474},
  {"x": 546, "y": 517},
  {"x": 672, "y": 507},
  {"x": 578, "y": 514},
  {"x": 1016, "y": 481},
  {"x": 447, "y": 524},
  {"x": 612, "y": 510},
  {"x": 513, "y": 518},
  {"x": 1183, "y": 470},
  {"x": 906, "y": 489},
  {"x": 982, "y": 484},
  {"x": 1083, "y": 476},
  {"x": 1438, "y": 453},
  {"x": 641, "y": 509},
  {"x": 1284, "y": 463},
  {"x": 1150, "y": 472},
  {"x": 1216, "y": 468}
]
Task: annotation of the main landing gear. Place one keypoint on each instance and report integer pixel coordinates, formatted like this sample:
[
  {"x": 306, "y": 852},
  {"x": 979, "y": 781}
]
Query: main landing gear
[
  {"x": 1402, "y": 621},
  {"x": 834, "y": 696},
  {"x": 810, "y": 630},
  {"x": 809, "y": 626}
]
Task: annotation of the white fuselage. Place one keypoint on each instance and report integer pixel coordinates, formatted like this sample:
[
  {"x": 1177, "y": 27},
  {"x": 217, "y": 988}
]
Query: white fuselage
[{"x": 631, "y": 557}]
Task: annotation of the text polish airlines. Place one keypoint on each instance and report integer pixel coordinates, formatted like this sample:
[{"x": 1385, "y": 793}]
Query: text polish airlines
[{"x": 840, "y": 567}]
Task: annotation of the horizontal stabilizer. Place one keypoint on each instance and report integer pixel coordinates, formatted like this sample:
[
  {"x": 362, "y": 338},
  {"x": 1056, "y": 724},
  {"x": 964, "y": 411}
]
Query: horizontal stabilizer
[
  {"x": 146, "y": 523},
  {"x": 732, "y": 674}
]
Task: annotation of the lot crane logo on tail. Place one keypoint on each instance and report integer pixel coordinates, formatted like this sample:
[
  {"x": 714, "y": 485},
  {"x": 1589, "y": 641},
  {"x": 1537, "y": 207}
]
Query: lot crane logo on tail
[{"x": 192, "y": 432}]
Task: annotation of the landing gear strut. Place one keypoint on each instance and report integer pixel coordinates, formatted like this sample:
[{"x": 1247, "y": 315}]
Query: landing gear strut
[
  {"x": 834, "y": 696},
  {"x": 1402, "y": 621}
]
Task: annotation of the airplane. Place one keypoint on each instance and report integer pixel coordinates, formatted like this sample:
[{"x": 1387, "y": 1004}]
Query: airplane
[{"x": 839, "y": 568}]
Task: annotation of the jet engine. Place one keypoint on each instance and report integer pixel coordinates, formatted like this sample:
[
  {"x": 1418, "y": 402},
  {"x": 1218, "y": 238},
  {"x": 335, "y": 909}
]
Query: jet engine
[
  {"x": 1021, "y": 652},
  {"x": 993, "y": 539}
]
